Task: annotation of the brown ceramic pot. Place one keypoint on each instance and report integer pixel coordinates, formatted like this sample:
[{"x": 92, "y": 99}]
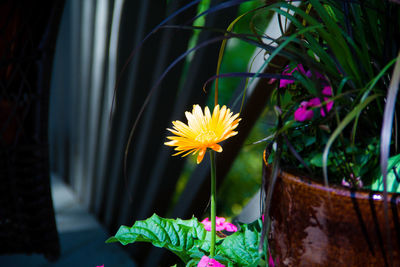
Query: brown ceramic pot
[{"x": 314, "y": 225}]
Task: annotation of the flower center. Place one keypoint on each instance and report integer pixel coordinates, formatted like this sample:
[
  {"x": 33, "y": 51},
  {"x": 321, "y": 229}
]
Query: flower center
[{"x": 205, "y": 137}]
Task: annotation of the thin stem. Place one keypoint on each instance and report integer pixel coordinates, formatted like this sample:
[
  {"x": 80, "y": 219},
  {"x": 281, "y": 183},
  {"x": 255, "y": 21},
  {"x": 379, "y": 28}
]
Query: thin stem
[{"x": 213, "y": 203}]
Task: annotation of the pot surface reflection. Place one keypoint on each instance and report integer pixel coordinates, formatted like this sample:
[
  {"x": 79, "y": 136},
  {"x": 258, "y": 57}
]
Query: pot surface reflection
[{"x": 312, "y": 225}]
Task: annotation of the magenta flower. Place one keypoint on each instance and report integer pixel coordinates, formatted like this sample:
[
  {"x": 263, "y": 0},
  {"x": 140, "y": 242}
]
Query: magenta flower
[
  {"x": 207, "y": 262},
  {"x": 329, "y": 104},
  {"x": 305, "y": 112},
  {"x": 345, "y": 183},
  {"x": 318, "y": 75},
  {"x": 328, "y": 107},
  {"x": 221, "y": 224},
  {"x": 271, "y": 262},
  {"x": 284, "y": 82},
  {"x": 327, "y": 91}
]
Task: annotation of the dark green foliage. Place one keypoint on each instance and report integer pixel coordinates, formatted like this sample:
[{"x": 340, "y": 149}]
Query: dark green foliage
[
  {"x": 190, "y": 241},
  {"x": 348, "y": 48}
]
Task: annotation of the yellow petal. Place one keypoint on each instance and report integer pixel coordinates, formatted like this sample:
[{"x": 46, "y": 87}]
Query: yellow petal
[
  {"x": 201, "y": 155},
  {"x": 216, "y": 147}
]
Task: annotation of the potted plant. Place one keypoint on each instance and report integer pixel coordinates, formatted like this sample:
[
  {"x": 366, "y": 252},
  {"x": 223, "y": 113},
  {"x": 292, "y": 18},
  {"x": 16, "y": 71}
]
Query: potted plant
[
  {"x": 332, "y": 155},
  {"x": 332, "y": 158}
]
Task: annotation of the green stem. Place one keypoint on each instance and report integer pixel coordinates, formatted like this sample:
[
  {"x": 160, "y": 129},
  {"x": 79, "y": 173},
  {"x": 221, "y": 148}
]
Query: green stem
[{"x": 213, "y": 203}]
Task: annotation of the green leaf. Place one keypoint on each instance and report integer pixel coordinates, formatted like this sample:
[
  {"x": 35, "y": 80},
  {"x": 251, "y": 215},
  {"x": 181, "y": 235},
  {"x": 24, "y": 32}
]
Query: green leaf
[
  {"x": 357, "y": 110},
  {"x": 242, "y": 247},
  {"x": 335, "y": 40},
  {"x": 387, "y": 124},
  {"x": 316, "y": 160},
  {"x": 182, "y": 237},
  {"x": 392, "y": 183},
  {"x": 309, "y": 140}
]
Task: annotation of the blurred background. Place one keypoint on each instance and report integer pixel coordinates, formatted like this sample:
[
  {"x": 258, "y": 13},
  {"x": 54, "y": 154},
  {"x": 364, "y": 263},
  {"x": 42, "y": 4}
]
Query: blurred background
[{"x": 105, "y": 68}]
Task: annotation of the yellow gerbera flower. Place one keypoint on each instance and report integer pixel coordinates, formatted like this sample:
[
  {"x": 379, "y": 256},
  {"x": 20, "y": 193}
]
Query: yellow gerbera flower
[{"x": 203, "y": 131}]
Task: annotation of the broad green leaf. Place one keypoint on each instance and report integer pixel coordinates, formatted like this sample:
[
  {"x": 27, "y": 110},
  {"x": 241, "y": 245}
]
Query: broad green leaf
[
  {"x": 242, "y": 247},
  {"x": 182, "y": 237},
  {"x": 392, "y": 183},
  {"x": 316, "y": 160},
  {"x": 309, "y": 140}
]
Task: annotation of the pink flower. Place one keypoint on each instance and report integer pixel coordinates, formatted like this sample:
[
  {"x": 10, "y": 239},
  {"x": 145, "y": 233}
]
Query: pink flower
[
  {"x": 220, "y": 225},
  {"x": 345, "y": 183},
  {"x": 327, "y": 91},
  {"x": 284, "y": 82},
  {"x": 303, "y": 112},
  {"x": 207, "y": 262},
  {"x": 100, "y": 265},
  {"x": 318, "y": 75},
  {"x": 300, "y": 68},
  {"x": 315, "y": 102},
  {"x": 328, "y": 107},
  {"x": 355, "y": 182},
  {"x": 329, "y": 104},
  {"x": 271, "y": 262}
]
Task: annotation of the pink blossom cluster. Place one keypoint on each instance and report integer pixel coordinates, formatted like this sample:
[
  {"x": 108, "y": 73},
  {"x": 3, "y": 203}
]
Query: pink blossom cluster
[
  {"x": 354, "y": 182},
  {"x": 287, "y": 71},
  {"x": 207, "y": 262},
  {"x": 305, "y": 110},
  {"x": 298, "y": 68},
  {"x": 221, "y": 224}
]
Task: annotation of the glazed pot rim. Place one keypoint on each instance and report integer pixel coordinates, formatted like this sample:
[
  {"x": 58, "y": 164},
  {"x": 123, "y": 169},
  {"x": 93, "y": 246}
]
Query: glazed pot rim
[{"x": 333, "y": 190}]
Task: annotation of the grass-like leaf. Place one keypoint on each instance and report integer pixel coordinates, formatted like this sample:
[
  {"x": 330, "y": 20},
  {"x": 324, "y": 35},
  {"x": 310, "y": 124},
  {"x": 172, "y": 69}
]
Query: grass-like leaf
[
  {"x": 386, "y": 133},
  {"x": 353, "y": 114},
  {"x": 222, "y": 49},
  {"x": 388, "y": 121}
]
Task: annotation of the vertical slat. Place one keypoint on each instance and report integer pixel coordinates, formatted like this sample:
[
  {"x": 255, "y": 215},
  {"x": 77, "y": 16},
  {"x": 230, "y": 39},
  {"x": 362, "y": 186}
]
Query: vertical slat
[
  {"x": 155, "y": 120},
  {"x": 134, "y": 15},
  {"x": 105, "y": 130},
  {"x": 75, "y": 78},
  {"x": 59, "y": 97},
  {"x": 97, "y": 76},
  {"x": 88, "y": 9}
]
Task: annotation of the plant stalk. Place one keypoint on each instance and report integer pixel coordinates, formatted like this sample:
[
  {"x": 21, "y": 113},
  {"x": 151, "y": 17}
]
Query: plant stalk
[{"x": 213, "y": 203}]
